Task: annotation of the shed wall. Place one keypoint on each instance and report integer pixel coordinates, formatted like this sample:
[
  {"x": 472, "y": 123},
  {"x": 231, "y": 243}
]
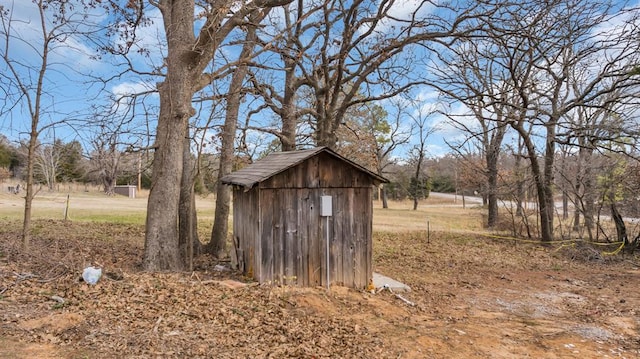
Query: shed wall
[
  {"x": 281, "y": 237},
  {"x": 293, "y": 237},
  {"x": 246, "y": 230}
]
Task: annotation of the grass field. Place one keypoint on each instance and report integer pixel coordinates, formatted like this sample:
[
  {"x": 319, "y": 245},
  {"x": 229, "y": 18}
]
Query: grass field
[{"x": 90, "y": 204}]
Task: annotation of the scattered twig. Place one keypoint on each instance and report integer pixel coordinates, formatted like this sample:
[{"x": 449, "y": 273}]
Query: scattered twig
[
  {"x": 405, "y": 300},
  {"x": 155, "y": 327},
  {"x": 194, "y": 274},
  {"x": 23, "y": 276},
  {"x": 57, "y": 299}
]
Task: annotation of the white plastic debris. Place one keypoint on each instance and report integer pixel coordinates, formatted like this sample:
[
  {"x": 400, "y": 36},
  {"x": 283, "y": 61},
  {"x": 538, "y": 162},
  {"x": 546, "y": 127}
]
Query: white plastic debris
[
  {"x": 220, "y": 268},
  {"x": 91, "y": 275}
]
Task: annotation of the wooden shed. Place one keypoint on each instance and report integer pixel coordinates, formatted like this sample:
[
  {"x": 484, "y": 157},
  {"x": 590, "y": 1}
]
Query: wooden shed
[{"x": 288, "y": 206}]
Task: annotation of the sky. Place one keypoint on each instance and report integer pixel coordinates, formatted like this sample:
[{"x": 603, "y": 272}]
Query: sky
[{"x": 72, "y": 94}]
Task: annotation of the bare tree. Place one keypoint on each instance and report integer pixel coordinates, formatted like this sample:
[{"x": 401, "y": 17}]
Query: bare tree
[
  {"x": 105, "y": 159},
  {"x": 368, "y": 138},
  {"x": 472, "y": 76},
  {"x": 538, "y": 45},
  {"x": 28, "y": 83},
  {"x": 421, "y": 130},
  {"x": 356, "y": 52},
  {"x": 189, "y": 55},
  {"x": 219, "y": 233}
]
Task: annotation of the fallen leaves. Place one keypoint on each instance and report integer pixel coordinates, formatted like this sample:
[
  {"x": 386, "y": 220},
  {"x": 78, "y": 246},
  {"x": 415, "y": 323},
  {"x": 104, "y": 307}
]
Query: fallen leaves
[{"x": 208, "y": 313}]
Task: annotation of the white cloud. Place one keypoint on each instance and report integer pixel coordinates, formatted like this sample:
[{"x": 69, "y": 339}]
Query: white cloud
[
  {"x": 123, "y": 94},
  {"x": 131, "y": 88},
  {"x": 399, "y": 13},
  {"x": 27, "y": 43}
]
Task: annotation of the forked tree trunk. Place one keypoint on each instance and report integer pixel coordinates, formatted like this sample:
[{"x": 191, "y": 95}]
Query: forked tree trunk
[
  {"x": 542, "y": 189},
  {"x": 621, "y": 229}
]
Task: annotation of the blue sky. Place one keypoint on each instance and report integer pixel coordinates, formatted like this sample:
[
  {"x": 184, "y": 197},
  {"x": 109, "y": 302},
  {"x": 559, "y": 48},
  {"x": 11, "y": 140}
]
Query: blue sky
[{"x": 70, "y": 94}]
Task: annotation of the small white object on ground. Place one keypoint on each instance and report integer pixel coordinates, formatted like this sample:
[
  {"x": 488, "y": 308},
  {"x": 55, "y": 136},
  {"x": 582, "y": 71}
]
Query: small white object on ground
[
  {"x": 220, "y": 268},
  {"x": 91, "y": 275}
]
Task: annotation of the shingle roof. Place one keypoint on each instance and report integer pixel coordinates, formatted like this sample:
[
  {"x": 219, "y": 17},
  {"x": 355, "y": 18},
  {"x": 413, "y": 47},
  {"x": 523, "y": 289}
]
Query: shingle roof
[{"x": 277, "y": 162}]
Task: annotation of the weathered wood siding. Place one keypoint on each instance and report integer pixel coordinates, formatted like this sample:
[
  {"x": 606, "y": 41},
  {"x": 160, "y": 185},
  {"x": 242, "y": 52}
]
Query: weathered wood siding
[
  {"x": 282, "y": 236},
  {"x": 293, "y": 237},
  {"x": 246, "y": 230}
]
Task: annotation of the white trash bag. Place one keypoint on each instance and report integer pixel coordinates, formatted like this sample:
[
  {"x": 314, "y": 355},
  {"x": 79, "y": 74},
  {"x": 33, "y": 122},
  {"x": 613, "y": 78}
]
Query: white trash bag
[{"x": 91, "y": 275}]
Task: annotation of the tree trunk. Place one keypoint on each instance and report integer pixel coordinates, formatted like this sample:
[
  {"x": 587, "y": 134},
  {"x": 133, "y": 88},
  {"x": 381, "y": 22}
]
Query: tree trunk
[
  {"x": 492, "y": 198},
  {"x": 492, "y": 155},
  {"x": 28, "y": 199},
  {"x": 289, "y": 118},
  {"x": 589, "y": 195},
  {"x": 621, "y": 229},
  {"x": 546, "y": 221},
  {"x": 188, "y": 240},
  {"x": 519, "y": 183},
  {"x": 547, "y": 178},
  {"x": 162, "y": 251},
  {"x": 383, "y": 194},
  {"x": 161, "y": 242},
  {"x": 218, "y": 244},
  {"x": 577, "y": 198}
]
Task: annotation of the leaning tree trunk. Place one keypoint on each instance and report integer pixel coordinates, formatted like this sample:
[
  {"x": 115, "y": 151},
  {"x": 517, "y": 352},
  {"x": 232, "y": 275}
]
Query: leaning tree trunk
[
  {"x": 546, "y": 221},
  {"x": 621, "y": 229},
  {"x": 218, "y": 244}
]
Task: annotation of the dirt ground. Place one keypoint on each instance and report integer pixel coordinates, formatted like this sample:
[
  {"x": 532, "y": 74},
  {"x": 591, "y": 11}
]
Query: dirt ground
[{"x": 472, "y": 297}]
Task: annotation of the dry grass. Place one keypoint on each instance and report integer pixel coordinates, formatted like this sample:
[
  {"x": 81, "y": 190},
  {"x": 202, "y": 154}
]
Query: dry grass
[{"x": 89, "y": 204}]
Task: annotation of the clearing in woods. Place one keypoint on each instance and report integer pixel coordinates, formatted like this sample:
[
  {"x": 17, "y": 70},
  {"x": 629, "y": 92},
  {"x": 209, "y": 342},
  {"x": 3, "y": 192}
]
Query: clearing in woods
[{"x": 472, "y": 296}]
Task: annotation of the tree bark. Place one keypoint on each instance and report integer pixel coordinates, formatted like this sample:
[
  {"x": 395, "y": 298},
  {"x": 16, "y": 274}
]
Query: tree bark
[
  {"x": 546, "y": 223},
  {"x": 621, "y": 229},
  {"x": 187, "y": 59},
  {"x": 161, "y": 245},
  {"x": 218, "y": 244},
  {"x": 492, "y": 156},
  {"x": 383, "y": 194},
  {"x": 188, "y": 240},
  {"x": 28, "y": 199},
  {"x": 162, "y": 250}
]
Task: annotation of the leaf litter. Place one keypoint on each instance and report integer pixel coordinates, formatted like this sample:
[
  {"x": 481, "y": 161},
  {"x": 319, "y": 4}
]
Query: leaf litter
[{"x": 471, "y": 297}]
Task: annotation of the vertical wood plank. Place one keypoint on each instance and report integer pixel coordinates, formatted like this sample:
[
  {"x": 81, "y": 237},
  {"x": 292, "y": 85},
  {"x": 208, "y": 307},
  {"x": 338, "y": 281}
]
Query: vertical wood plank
[
  {"x": 303, "y": 248},
  {"x": 266, "y": 237},
  {"x": 315, "y": 230},
  {"x": 351, "y": 239},
  {"x": 337, "y": 229}
]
